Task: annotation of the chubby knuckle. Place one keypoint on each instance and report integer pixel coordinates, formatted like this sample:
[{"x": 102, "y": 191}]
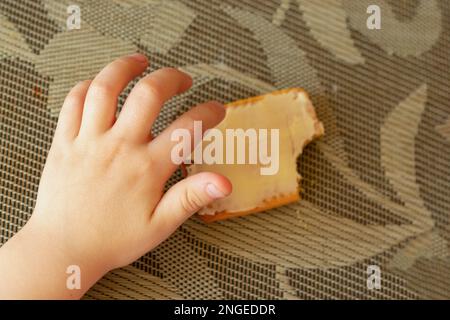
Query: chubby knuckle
[
  {"x": 186, "y": 121},
  {"x": 191, "y": 201},
  {"x": 101, "y": 88},
  {"x": 152, "y": 89}
]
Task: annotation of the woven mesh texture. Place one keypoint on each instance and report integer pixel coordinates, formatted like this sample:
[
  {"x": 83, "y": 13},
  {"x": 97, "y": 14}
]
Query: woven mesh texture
[{"x": 375, "y": 188}]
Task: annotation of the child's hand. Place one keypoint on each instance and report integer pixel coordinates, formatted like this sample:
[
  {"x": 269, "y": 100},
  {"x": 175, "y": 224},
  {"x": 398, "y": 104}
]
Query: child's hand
[{"x": 100, "y": 203}]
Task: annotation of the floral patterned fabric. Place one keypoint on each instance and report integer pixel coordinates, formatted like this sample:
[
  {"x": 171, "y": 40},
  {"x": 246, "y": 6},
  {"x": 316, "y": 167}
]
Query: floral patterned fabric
[{"x": 375, "y": 188}]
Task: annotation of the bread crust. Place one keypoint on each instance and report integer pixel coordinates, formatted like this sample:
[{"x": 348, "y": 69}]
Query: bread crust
[{"x": 269, "y": 204}]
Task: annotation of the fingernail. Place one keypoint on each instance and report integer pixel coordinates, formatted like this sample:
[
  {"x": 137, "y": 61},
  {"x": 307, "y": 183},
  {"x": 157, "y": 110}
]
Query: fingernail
[
  {"x": 138, "y": 57},
  {"x": 214, "y": 192}
]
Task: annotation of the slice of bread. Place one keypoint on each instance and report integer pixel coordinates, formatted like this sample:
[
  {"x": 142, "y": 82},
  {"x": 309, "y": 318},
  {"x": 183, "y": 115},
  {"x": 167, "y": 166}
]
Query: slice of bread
[{"x": 292, "y": 113}]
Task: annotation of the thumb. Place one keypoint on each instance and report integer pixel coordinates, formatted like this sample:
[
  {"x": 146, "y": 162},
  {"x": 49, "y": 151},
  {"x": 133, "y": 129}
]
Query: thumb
[{"x": 187, "y": 197}]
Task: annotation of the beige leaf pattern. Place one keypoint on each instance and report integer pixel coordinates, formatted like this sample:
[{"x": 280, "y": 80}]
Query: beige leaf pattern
[
  {"x": 12, "y": 41},
  {"x": 172, "y": 18},
  {"x": 327, "y": 20},
  {"x": 409, "y": 38},
  {"x": 398, "y": 156},
  {"x": 427, "y": 245},
  {"x": 287, "y": 61},
  {"x": 204, "y": 72}
]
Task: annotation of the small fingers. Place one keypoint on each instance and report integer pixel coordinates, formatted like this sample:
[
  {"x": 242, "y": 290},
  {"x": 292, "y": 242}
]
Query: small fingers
[
  {"x": 101, "y": 100},
  {"x": 146, "y": 100},
  {"x": 69, "y": 120}
]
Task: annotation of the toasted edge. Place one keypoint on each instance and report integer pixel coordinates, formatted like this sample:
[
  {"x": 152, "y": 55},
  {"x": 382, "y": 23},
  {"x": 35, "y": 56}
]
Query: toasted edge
[{"x": 268, "y": 204}]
